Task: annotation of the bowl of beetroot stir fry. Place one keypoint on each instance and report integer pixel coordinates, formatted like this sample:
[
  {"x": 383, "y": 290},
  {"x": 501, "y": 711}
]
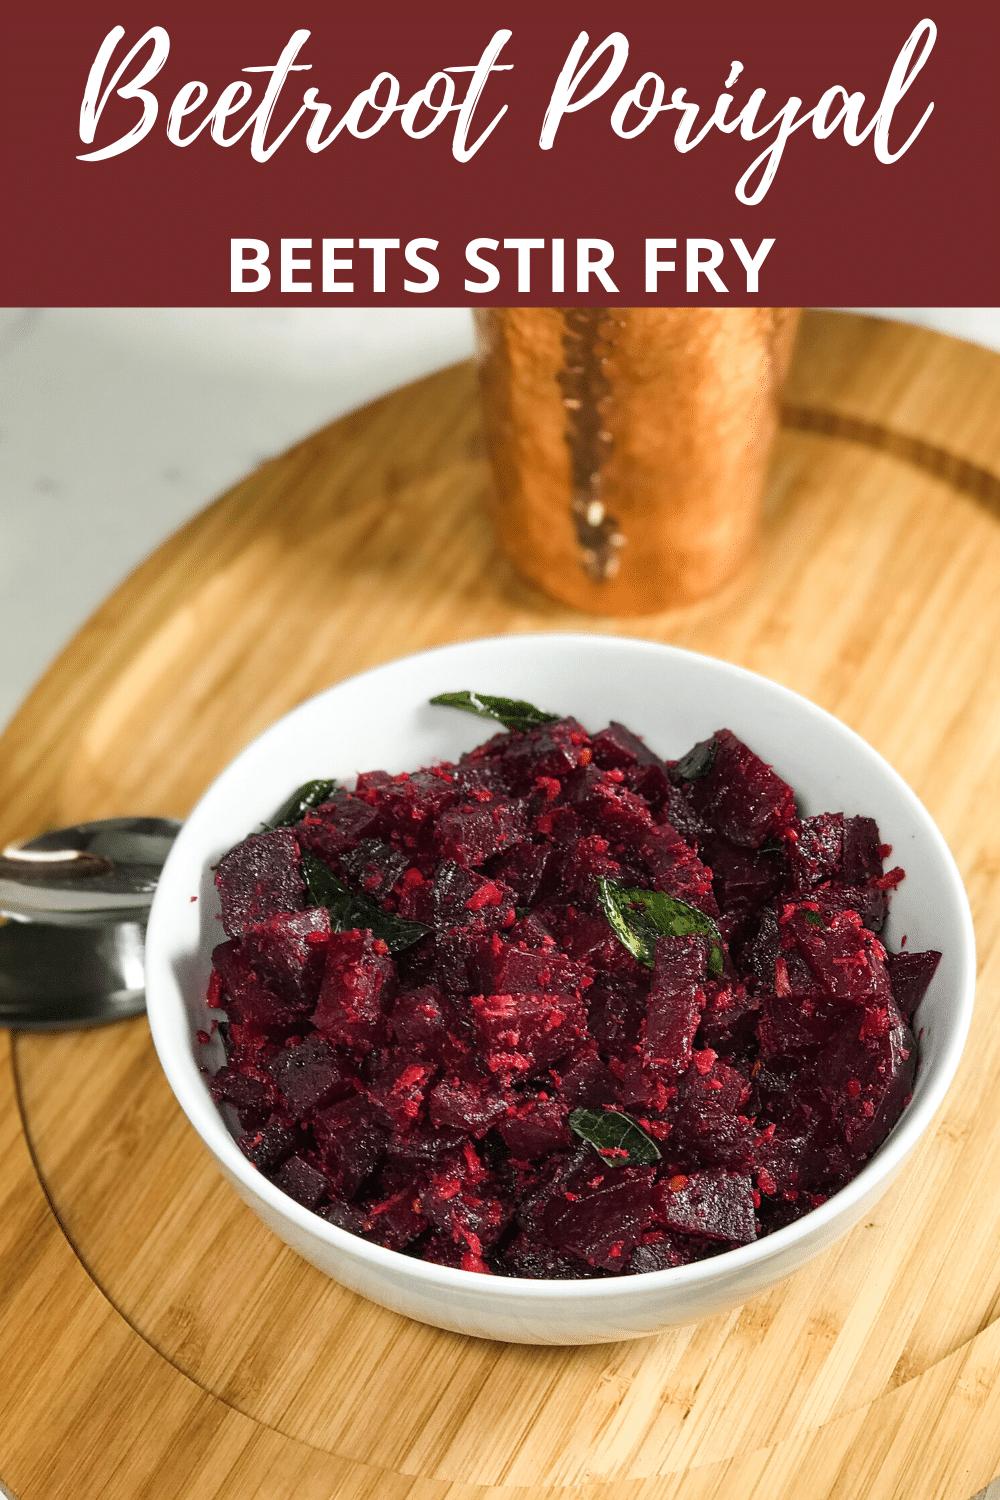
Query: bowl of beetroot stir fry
[{"x": 559, "y": 988}]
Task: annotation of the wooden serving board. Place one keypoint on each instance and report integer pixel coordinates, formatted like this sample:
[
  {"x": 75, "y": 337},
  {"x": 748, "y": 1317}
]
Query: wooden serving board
[{"x": 157, "y": 1341}]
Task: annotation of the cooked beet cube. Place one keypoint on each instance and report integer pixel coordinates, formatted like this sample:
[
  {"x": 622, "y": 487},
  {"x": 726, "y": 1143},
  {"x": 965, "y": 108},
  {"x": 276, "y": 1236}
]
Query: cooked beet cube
[
  {"x": 729, "y": 1020},
  {"x": 460, "y": 1198},
  {"x": 587, "y": 1082},
  {"x": 708, "y": 1123},
  {"x": 396, "y": 1221},
  {"x": 909, "y": 975},
  {"x": 552, "y": 751},
  {"x": 740, "y": 796},
  {"x": 357, "y": 985},
  {"x": 815, "y": 848},
  {"x": 471, "y": 833},
  {"x": 373, "y": 868},
  {"x": 599, "y": 1213},
  {"x": 268, "y": 1147},
  {"x": 337, "y": 826},
  {"x": 425, "y": 1025},
  {"x": 659, "y": 1250},
  {"x": 467, "y": 1101},
  {"x": 675, "y": 868},
  {"x": 247, "y": 998},
  {"x": 862, "y": 859},
  {"x": 867, "y": 1078},
  {"x": 345, "y": 1215},
  {"x": 258, "y": 879},
  {"x": 518, "y": 1034},
  {"x": 742, "y": 879},
  {"x": 302, "y": 1181},
  {"x": 535, "y": 1127},
  {"x": 537, "y": 1261},
  {"x": 718, "y": 1204},
  {"x": 844, "y": 958},
  {"x": 351, "y": 1136},
  {"x": 631, "y": 744},
  {"x": 401, "y": 1088},
  {"x": 521, "y": 870},
  {"x": 675, "y": 1005},
  {"x": 311, "y": 1074},
  {"x": 502, "y": 968},
  {"x": 251, "y": 1097},
  {"x": 796, "y": 1024},
  {"x": 460, "y": 898},
  {"x": 288, "y": 952}
]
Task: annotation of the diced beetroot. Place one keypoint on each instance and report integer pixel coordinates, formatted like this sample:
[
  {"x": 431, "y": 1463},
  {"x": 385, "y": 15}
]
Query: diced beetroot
[
  {"x": 708, "y": 1121},
  {"x": 866, "y": 1080},
  {"x": 861, "y": 860},
  {"x": 373, "y": 868},
  {"x": 502, "y": 968},
  {"x": 258, "y": 879},
  {"x": 345, "y": 1215},
  {"x": 718, "y": 1204},
  {"x": 729, "y": 1020},
  {"x": 742, "y": 879},
  {"x": 740, "y": 796},
  {"x": 633, "y": 745},
  {"x": 311, "y": 1074},
  {"x": 460, "y": 1199},
  {"x": 460, "y": 898},
  {"x": 268, "y": 1147},
  {"x": 351, "y": 1136},
  {"x": 814, "y": 849},
  {"x": 616, "y": 1011},
  {"x": 396, "y": 1221},
  {"x": 424, "y": 1145},
  {"x": 337, "y": 825},
  {"x": 793, "y": 1024},
  {"x": 471, "y": 833},
  {"x": 519, "y": 1034},
  {"x": 521, "y": 870},
  {"x": 425, "y": 1025},
  {"x": 357, "y": 985},
  {"x": 587, "y": 1082},
  {"x": 251, "y": 1097},
  {"x": 468, "y": 1101},
  {"x": 675, "y": 1005},
  {"x": 302, "y": 1181},
  {"x": 288, "y": 952},
  {"x": 246, "y": 998},
  {"x": 401, "y": 1088},
  {"x": 660, "y": 1250},
  {"x": 552, "y": 750},
  {"x": 909, "y": 975},
  {"x": 599, "y": 1213},
  {"x": 675, "y": 868},
  {"x": 537, "y": 1261},
  {"x": 535, "y": 1127},
  {"x": 847, "y": 962}
]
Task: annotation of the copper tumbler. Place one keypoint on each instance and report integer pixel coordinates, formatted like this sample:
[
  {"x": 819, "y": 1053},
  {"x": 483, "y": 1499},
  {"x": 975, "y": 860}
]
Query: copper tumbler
[{"x": 630, "y": 445}]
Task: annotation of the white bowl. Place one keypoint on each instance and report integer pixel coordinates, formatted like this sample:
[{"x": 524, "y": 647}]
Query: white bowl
[{"x": 382, "y": 720}]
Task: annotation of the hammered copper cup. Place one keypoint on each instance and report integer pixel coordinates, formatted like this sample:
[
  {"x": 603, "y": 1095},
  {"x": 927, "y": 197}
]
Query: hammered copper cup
[{"x": 630, "y": 445}]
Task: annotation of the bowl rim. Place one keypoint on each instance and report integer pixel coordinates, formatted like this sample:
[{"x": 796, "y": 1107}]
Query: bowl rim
[{"x": 169, "y": 1025}]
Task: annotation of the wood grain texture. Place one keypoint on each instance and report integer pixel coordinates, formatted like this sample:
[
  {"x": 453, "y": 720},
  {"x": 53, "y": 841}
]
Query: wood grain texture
[{"x": 181, "y": 1350}]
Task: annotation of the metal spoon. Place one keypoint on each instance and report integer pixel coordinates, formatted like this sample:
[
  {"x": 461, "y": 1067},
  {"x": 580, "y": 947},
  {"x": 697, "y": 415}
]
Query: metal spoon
[{"x": 78, "y": 898}]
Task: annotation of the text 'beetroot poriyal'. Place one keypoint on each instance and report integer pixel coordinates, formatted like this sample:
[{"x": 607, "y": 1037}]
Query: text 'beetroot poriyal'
[{"x": 562, "y": 1009}]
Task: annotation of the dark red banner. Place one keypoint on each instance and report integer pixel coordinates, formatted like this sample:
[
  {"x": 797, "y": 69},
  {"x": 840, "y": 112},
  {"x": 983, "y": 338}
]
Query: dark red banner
[{"x": 167, "y": 152}]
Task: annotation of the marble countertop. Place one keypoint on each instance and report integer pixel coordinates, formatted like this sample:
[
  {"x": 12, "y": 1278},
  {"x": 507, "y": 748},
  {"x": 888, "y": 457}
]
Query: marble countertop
[{"x": 120, "y": 424}]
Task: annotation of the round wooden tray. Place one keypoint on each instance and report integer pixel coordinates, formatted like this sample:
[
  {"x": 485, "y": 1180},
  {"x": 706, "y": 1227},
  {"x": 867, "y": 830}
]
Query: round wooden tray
[{"x": 166, "y": 1344}]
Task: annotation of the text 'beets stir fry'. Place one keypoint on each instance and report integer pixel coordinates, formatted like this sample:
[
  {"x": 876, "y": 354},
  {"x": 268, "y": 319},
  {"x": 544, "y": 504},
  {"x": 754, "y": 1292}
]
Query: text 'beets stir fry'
[{"x": 562, "y": 1009}]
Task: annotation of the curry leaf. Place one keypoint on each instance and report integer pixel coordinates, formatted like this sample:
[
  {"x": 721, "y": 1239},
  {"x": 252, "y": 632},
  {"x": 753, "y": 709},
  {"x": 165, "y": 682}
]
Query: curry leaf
[
  {"x": 349, "y": 910},
  {"x": 639, "y": 917},
  {"x": 512, "y": 713},
  {"x": 311, "y": 794},
  {"x": 617, "y": 1139},
  {"x": 697, "y": 763}
]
